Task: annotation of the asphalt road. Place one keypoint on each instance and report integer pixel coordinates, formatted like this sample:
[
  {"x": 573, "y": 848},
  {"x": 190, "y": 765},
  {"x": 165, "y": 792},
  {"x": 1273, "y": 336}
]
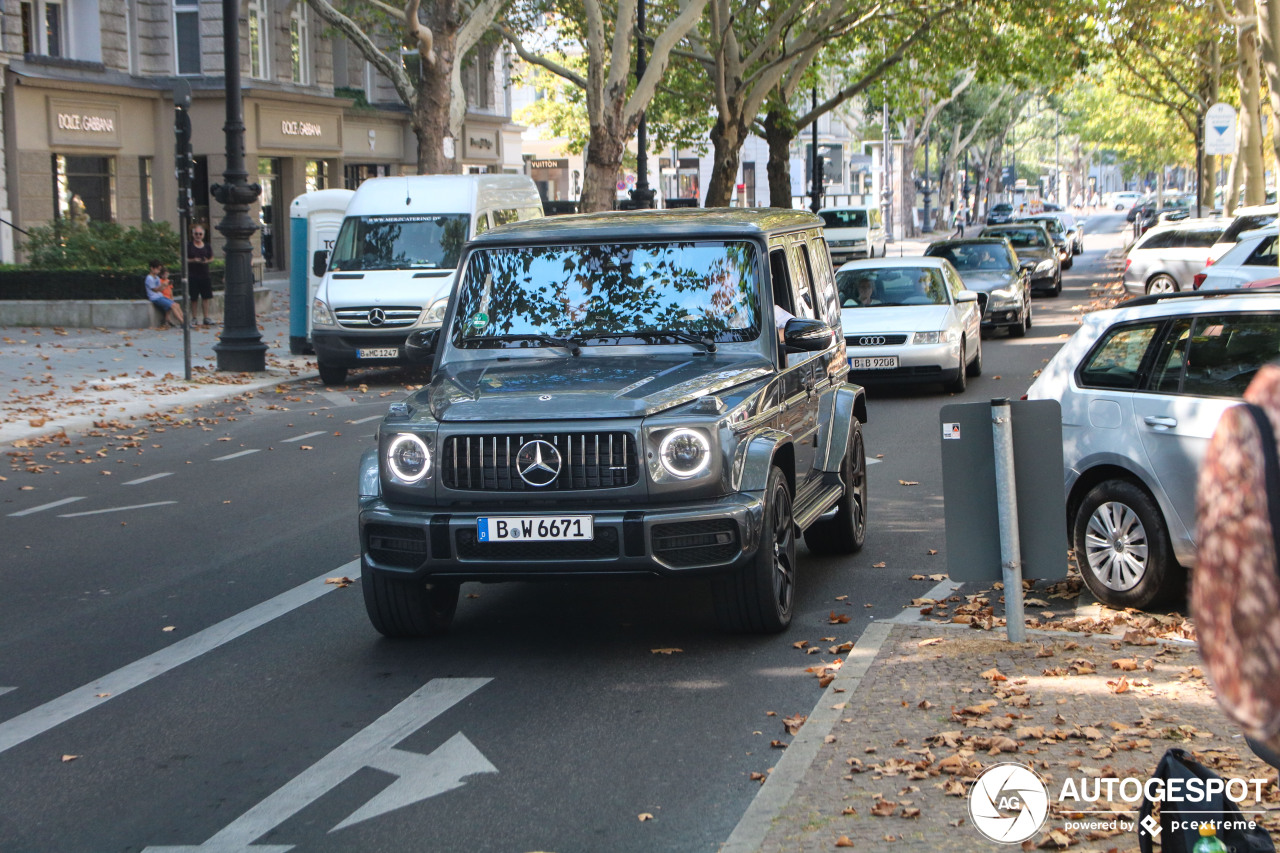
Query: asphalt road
[{"x": 166, "y": 622}]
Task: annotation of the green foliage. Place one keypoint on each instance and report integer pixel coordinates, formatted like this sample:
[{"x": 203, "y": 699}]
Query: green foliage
[
  {"x": 102, "y": 246},
  {"x": 561, "y": 107}
]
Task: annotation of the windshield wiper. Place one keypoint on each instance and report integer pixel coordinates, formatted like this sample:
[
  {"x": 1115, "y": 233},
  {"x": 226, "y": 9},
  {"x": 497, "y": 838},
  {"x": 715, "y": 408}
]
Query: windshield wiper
[
  {"x": 571, "y": 344},
  {"x": 680, "y": 335}
]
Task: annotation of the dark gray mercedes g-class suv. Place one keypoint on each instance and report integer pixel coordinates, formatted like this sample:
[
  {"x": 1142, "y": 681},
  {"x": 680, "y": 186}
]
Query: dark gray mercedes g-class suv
[{"x": 651, "y": 392}]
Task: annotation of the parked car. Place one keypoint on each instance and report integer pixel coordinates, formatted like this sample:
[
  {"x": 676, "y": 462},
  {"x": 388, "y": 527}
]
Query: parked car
[
  {"x": 909, "y": 319},
  {"x": 999, "y": 214},
  {"x": 1244, "y": 219},
  {"x": 1148, "y": 208},
  {"x": 1036, "y": 253},
  {"x": 854, "y": 232},
  {"x": 610, "y": 395},
  {"x": 1166, "y": 259},
  {"x": 988, "y": 267},
  {"x": 1142, "y": 387},
  {"x": 1058, "y": 232},
  {"x": 1074, "y": 230},
  {"x": 1253, "y": 257},
  {"x": 1124, "y": 199}
]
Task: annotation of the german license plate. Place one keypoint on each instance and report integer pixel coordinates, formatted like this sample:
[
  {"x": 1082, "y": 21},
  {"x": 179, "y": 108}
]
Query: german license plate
[
  {"x": 875, "y": 362},
  {"x": 381, "y": 352},
  {"x": 534, "y": 528}
]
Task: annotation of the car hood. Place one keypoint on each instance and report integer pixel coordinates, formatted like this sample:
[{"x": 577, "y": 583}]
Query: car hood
[
  {"x": 985, "y": 281},
  {"x": 1035, "y": 253},
  {"x": 586, "y": 386},
  {"x": 895, "y": 318}
]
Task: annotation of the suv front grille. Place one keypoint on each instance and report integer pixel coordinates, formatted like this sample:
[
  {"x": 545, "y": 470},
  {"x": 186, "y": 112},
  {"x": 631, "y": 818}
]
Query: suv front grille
[
  {"x": 589, "y": 460},
  {"x": 603, "y": 547},
  {"x": 696, "y": 543},
  {"x": 377, "y": 317},
  {"x": 875, "y": 340}
]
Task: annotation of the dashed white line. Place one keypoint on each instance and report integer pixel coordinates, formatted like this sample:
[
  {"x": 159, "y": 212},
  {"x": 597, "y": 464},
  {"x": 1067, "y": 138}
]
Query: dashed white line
[
  {"x": 115, "y": 509},
  {"x": 43, "y": 507},
  {"x": 234, "y": 455},
  {"x": 305, "y": 436},
  {"x": 366, "y": 420},
  {"x": 142, "y": 480},
  {"x": 4, "y": 690}
]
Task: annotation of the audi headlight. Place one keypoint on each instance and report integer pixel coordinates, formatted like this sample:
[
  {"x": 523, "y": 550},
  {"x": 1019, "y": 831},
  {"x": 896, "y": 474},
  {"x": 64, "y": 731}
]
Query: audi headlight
[
  {"x": 685, "y": 453},
  {"x": 942, "y": 337},
  {"x": 1045, "y": 265},
  {"x": 408, "y": 457},
  {"x": 1002, "y": 296},
  {"x": 321, "y": 315},
  {"x": 435, "y": 314}
]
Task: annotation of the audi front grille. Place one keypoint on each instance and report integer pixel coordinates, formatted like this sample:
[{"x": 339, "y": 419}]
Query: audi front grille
[{"x": 875, "y": 340}]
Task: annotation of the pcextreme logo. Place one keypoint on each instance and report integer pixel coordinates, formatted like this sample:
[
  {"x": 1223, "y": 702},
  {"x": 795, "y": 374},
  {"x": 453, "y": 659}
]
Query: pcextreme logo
[{"x": 1008, "y": 803}]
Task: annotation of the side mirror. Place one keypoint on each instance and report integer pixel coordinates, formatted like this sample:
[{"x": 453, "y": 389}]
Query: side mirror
[
  {"x": 319, "y": 262},
  {"x": 807, "y": 335},
  {"x": 420, "y": 346},
  {"x": 966, "y": 296}
]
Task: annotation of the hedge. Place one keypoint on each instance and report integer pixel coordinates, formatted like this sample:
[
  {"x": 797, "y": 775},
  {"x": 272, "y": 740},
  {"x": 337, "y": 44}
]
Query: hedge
[{"x": 80, "y": 285}]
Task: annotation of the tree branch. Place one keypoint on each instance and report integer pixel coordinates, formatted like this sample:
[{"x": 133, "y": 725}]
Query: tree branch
[
  {"x": 541, "y": 61},
  {"x": 391, "y": 69}
]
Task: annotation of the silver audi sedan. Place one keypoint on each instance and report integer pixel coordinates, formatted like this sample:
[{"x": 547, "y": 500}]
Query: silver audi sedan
[{"x": 909, "y": 320}]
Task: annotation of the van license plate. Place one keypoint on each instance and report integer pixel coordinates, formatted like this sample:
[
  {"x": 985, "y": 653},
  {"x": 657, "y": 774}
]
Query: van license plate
[
  {"x": 384, "y": 352},
  {"x": 534, "y": 528},
  {"x": 875, "y": 362}
]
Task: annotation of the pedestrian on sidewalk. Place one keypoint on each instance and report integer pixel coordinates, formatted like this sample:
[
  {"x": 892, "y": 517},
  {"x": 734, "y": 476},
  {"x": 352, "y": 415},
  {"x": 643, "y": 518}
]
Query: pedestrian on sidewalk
[
  {"x": 155, "y": 283},
  {"x": 199, "y": 254},
  {"x": 957, "y": 221}
]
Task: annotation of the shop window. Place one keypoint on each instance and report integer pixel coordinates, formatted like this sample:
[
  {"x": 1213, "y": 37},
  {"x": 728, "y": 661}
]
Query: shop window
[
  {"x": 355, "y": 174},
  {"x": 84, "y": 188},
  {"x": 299, "y": 45},
  {"x": 146, "y": 189},
  {"x": 317, "y": 175},
  {"x": 186, "y": 35},
  {"x": 259, "y": 40}
]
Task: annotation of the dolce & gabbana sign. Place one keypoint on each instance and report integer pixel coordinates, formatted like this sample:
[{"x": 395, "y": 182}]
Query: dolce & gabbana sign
[
  {"x": 290, "y": 128},
  {"x": 75, "y": 123}
]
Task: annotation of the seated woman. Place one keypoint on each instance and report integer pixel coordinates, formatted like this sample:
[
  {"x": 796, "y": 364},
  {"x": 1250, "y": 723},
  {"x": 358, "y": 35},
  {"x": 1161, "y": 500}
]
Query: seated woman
[{"x": 155, "y": 282}]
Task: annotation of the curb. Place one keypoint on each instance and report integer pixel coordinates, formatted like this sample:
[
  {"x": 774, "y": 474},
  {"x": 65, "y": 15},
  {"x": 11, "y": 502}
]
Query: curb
[{"x": 787, "y": 774}]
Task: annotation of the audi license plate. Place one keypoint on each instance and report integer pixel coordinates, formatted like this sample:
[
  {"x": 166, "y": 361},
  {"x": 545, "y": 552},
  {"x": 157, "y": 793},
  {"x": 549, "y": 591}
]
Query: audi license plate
[
  {"x": 875, "y": 362},
  {"x": 534, "y": 528},
  {"x": 381, "y": 352}
]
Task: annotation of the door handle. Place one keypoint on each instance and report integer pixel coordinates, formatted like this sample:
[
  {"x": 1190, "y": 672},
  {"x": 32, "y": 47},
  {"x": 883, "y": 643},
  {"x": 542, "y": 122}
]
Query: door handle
[{"x": 1160, "y": 423}]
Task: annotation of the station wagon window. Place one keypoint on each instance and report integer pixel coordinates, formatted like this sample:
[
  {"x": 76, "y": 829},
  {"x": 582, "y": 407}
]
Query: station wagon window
[
  {"x": 1158, "y": 240},
  {"x": 1264, "y": 255},
  {"x": 1117, "y": 361},
  {"x": 1216, "y": 355}
]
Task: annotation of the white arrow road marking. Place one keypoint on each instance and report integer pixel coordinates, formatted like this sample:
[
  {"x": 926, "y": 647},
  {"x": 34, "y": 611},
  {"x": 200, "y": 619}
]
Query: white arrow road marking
[{"x": 421, "y": 776}]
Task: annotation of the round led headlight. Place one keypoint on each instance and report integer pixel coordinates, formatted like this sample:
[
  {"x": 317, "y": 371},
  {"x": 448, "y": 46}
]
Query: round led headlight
[
  {"x": 685, "y": 453},
  {"x": 408, "y": 457}
]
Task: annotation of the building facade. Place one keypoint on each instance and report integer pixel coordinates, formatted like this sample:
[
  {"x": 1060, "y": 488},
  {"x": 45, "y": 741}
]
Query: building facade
[{"x": 88, "y": 109}]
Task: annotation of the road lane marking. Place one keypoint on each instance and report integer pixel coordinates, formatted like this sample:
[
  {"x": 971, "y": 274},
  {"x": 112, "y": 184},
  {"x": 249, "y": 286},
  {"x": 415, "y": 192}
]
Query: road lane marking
[
  {"x": 874, "y": 461},
  {"x": 234, "y": 455},
  {"x": 43, "y": 507},
  {"x": 141, "y": 480},
  {"x": 419, "y": 776},
  {"x": 114, "y": 509},
  {"x": 338, "y": 399},
  {"x": 366, "y": 420},
  {"x": 307, "y": 435},
  {"x": 4, "y": 690},
  {"x": 53, "y": 713},
  {"x": 937, "y": 593}
]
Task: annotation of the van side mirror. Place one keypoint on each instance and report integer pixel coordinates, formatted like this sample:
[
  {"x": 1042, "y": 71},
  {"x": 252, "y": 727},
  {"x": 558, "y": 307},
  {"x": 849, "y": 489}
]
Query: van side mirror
[
  {"x": 319, "y": 262},
  {"x": 420, "y": 346}
]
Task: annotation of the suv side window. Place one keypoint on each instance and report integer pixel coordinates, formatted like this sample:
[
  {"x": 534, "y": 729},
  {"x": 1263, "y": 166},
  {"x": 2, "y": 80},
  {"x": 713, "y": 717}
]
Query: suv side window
[
  {"x": 804, "y": 281},
  {"x": 780, "y": 276},
  {"x": 824, "y": 280},
  {"x": 1116, "y": 362},
  {"x": 1264, "y": 255}
]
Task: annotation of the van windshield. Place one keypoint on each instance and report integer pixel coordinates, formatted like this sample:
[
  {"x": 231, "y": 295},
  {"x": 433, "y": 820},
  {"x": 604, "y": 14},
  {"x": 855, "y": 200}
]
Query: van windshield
[
  {"x": 844, "y": 218},
  {"x": 401, "y": 241}
]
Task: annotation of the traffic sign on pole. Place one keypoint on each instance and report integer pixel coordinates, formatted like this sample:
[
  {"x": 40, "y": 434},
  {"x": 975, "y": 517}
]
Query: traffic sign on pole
[{"x": 1220, "y": 129}]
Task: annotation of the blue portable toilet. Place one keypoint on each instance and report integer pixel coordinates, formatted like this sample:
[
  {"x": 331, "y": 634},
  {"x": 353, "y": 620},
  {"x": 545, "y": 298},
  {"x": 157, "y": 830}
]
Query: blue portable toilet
[{"x": 315, "y": 218}]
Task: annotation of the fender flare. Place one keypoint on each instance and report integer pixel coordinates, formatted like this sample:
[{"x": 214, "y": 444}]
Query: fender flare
[
  {"x": 755, "y": 457},
  {"x": 369, "y": 481},
  {"x": 847, "y": 405}
]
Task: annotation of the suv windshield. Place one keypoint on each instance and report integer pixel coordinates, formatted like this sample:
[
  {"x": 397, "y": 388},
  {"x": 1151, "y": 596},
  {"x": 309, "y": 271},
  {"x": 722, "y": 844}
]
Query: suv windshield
[
  {"x": 968, "y": 257},
  {"x": 401, "y": 241},
  {"x": 609, "y": 293},
  {"x": 844, "y": 218}
]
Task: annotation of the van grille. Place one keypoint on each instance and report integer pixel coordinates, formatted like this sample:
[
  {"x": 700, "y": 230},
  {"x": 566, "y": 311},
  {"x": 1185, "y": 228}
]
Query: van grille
[
  {"x": 378, "y": 317},
  {"x": 589, "y": 460}
]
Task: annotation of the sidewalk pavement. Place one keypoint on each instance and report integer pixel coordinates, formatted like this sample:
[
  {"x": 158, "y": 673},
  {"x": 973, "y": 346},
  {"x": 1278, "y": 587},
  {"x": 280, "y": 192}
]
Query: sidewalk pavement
[
  {"x": 920, "y": 708},
  {"x": 57, "y": 379}
]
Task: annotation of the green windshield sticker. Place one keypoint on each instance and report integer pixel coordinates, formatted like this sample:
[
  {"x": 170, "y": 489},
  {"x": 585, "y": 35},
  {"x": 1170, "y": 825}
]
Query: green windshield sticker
[{"x": 479, "y": 320}]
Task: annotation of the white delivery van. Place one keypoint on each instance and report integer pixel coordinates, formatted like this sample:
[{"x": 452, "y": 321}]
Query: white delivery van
[
  {"x": 853, "y": 232},
  {"x": 394, "y": 262}
]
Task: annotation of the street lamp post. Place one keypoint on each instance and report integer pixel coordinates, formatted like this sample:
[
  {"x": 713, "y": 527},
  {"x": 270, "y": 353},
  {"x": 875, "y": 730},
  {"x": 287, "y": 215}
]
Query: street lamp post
[
  {"x": 240, "y": 347},
  {"x": 641, "y": 196},
  {"x": 926, "y": 227},
  {"x": 886, "y": 192},
  {"x": 815, "y": 194}
]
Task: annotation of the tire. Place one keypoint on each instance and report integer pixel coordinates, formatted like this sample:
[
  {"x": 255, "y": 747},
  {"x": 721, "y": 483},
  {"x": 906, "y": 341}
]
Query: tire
[
  {"x": 1162, "y": 284},
  {"x": 760, "y": 598},
  {"x": 331, "y": 375},
  {"x": 403, "y": 609},
  {"x": 1020, "y": 330},
  {"x": 974, "y": 368},
  {"x": 846, "y": 531},
  {"x": 957, "y": 385},
  {"x": 1057, "y": 285},
  {"x": 1122, "y": 546},
  {"x": 1069, "y": 262},
  {"x": 1029, "y": 317}
]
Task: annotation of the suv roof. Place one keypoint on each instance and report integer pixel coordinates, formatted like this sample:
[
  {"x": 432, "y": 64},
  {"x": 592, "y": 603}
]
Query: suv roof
[
  {"x": 632, "y": 225},
  {"x": 1173, "y": 300}
]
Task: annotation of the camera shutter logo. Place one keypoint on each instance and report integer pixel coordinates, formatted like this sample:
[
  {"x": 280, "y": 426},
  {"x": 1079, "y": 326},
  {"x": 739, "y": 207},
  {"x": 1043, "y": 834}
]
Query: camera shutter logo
[{"x": 1008, "y": 803}]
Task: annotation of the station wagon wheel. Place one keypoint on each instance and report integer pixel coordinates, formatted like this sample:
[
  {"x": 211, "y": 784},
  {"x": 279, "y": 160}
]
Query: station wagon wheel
[
  {"x": 846, "y": 531},
  {"x": 1122, "y": 546},
  {"x": 405, "y": 608},
  {"x": 1162, "y": 284},
  {"x": 759, "y": 598}
]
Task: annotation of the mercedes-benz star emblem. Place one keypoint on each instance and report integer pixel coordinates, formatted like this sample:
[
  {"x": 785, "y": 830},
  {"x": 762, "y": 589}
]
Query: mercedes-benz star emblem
[
  {"x": 538, "y": 463},
  {"x": 377, "y": 317}
]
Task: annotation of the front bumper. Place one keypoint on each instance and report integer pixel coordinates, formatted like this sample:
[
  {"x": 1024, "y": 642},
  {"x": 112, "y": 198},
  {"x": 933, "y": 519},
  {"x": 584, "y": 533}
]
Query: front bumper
[
  {"x": 1044, "y": 280},
  {"x": 704, "y": 537},
  {"x": 916, "y": 363},
  {"x": 341, "y": 347},
  {"x": 999, "y": 317}
]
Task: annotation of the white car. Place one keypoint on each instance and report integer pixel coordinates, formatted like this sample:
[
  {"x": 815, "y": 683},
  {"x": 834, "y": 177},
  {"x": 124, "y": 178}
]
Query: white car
[
  {"x": 1166, "y": 258},
  {"x": 1141, "y": 388},
  {"x": 854, "y": 232},
  {"x": 1124, "y": 199},
  {"x": 1253, "y": 257},
  {"x": 1243, "y": 220},
  {"x": 909, "y": 320}
]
